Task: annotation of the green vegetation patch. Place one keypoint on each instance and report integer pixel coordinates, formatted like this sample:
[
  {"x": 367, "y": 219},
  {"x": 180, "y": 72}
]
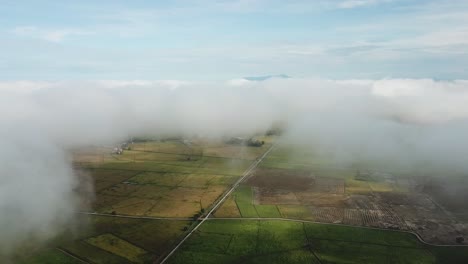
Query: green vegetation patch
[
  {"x": 51, "y": 256},
  {"x": 276, "y": 236},
  {"x": 120, "y": 247},
  {"x": 275, "y": 241},
  {"x": 243, "y": 200},
  {"x": 93, "y": 254},
  {"x": 290, "y": 257},
  {"x": 158, "y": 178},
  {"x": 452, "y": 255},
  {"x": 166, "y": 146},
  {"x": 184, "y": 257},
  {"x": 268, "y": 211},
  {"x": 239, "y": 241},
  {"x": 357, "y": 187},
  {"x": 227, "y": 227},
  {"x": 351, "y": 252},
  {"x": 135, "y": 240},
  {"x": 294, "y": 211},
  {"x": 361, "y": 235},
  {"x": 155, "y": 236},
  {"x": 210, "y": 242}
]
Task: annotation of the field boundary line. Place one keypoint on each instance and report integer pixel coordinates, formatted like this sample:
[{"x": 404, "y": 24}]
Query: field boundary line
[
  {"x": 72, "y": 255},
  {"x": 322, "y": 223},
  {"x": 139, "y": 217},
  {"x": 217, "y": 204},
  {"x": 198, "y": 155},
  {"x": 309, "y": 244}
]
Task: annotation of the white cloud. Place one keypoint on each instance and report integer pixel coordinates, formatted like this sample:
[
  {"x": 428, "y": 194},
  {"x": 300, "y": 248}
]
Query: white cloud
[
  {"x": 415, "y": 121},
  {"x": 23, "y": 86},
  {"x": 359, "y": 3},
  {"x": 171, "y": 84},
  {"x": 52, "y": 35}
]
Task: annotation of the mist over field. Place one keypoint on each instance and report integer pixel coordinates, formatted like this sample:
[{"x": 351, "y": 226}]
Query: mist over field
[{"x": 406, "y": 122}]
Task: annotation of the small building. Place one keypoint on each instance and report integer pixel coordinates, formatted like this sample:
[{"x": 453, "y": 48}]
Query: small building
[{"x": 117, "y": 151}]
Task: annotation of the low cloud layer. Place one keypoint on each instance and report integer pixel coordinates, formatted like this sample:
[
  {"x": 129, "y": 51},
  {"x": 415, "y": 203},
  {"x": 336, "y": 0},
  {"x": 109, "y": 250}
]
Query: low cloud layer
[{"x": 400, "y": 121}]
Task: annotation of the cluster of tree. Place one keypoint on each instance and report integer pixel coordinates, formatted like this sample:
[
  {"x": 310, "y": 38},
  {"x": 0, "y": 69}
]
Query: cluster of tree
[
  {"x": 251, "y": 142},
  {"x": 198, "y": 214}
]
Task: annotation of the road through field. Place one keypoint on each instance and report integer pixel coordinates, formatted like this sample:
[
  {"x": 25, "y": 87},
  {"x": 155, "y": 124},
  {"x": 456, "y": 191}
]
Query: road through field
[{"x": 217, "y": 204}]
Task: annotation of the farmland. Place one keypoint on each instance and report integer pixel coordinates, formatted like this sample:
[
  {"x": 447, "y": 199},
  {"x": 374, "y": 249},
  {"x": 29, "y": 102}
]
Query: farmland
[
  {"x": 295, "y": 207},
  {"x": 167, "y": 183},
  {"x": 166, "y": 179},
  {"x": 311, "y": 187},
  {"x": 275, "y": 241},
  {"x": 112, "y": 240}
]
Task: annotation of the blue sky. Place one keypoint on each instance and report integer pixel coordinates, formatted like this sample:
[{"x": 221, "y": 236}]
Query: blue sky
[{"x": 210, "y": 40}]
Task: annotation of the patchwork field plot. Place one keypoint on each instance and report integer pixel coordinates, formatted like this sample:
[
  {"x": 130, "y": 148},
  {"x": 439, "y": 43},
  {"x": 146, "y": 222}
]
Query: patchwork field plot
[
  {"x": 323, "y": 193},
  {"x": 248, "y": 241},
  {"x": 112, "y": 240},
  {"x": 120, "y": 247},
  {"x": 155, "y": 192},
  {"x": 159, "y": 179},
  {"x": 241, "y": 204},
  {"x": 164, "y": 178},
  {"x": 50, "y": 256}
]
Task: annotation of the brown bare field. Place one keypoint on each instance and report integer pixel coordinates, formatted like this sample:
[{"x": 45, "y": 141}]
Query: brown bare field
[
  {"x": 185, "y": 194},
  {"x": 167, "y": 208},
  {"x": 120, "y": 189},
  {"x": 296, "y": 187},
  {"x": 224, "y": 180},
  {"x": 295, "y": 180},
  {"x": 132, "y": 198},
  {"x": 210, "y": 195},
  {"x": 278, "y": 197},
  {"x": 103, "y": 179},
  {"x": 140, "y": 156},
  {"x": 228, "y": 209},
  {"x": 320, "y": 199},
  {"x": 197, "y": 180},
  {"x": 151, "y": 200},
  {"x": 156, "y": 178},
  {"x": 384, "y": 204},
  {"x": 133, "y": 206},
  {"x": 154, "y": 192},
  {"x": 103, "y": 203},
  {"x": 236, "y": 152}
]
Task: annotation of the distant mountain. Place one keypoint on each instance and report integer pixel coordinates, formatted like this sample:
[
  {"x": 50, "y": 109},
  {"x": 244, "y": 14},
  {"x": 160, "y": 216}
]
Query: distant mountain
[{"x": 266, "y": 77}]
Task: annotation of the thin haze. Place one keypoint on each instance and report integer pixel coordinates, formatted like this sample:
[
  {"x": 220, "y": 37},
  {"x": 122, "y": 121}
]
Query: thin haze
[{"x": 399, "y": 121}]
